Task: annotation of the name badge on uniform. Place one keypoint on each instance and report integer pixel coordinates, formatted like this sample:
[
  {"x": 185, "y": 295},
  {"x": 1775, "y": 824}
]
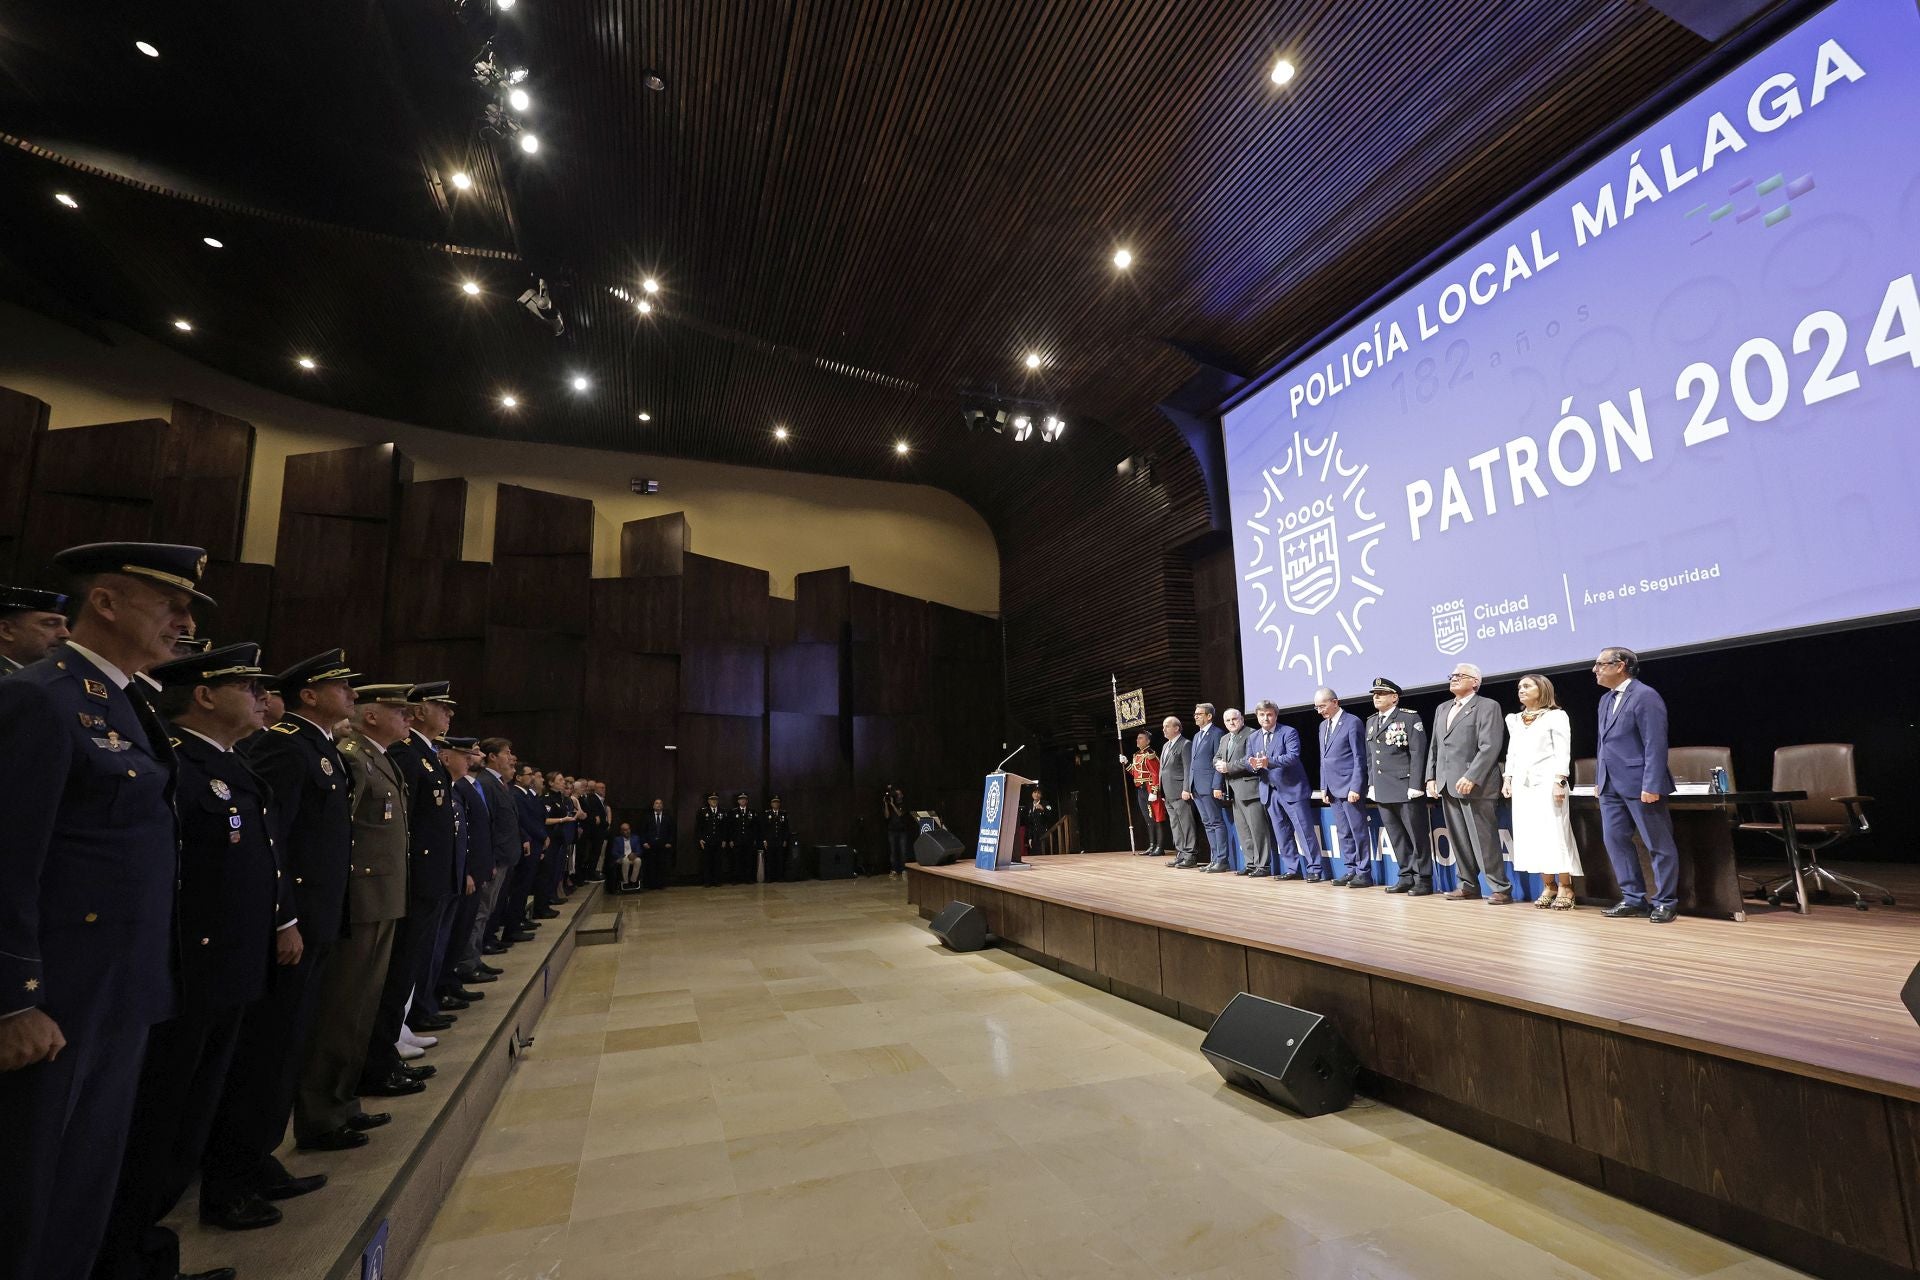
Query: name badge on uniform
[
  {"x": 112, "y": 742},
  {"x": 95, "y": 689},
  {"x": 234, "y": 822},
  {"x": 225, "y": 792},
  {"x": 326, "y": 766}
]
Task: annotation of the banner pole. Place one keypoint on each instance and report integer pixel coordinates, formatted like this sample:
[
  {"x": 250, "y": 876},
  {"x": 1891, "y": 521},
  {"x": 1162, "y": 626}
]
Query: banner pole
[{"x": 1120, "y": 744}]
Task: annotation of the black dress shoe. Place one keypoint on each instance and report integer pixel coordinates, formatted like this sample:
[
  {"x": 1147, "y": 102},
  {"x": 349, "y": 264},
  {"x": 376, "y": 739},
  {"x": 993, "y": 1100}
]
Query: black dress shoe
[
  {"x": 368, "y": 1120},
  {"x": 1400, "y": 886},
  {"x": 427, "y": 1024},
  {"x": 1220, "y": 870},
  {"x": 394, "y": 1086},
  {"x": 461, "y": 993},
  {"x": 522, "y": 935},
  {"x": 546, "y": 913},
  {"x": 1420, "y": 891},
  {"x": 1662, "y": 915},
  {"x": 481, "y": 968},
  {"x": 425, "y": 1071},
  {"x": 1354, "y": 882},
  {"x": 454, "y": 1003},
  {"x": 493, "y": 949},
  {"x": 481, "y": 976},
  {"x": 249, "y": 1213},
  {"x": 1343, "y": 881},
  {"x": 341, "y": 1139},
  {"x": 218, "y": 1273},
  {"x": 1622, "y": 910},
  {"x": 289, "y": 1187},
  {"x": 1289, "y": 875}
]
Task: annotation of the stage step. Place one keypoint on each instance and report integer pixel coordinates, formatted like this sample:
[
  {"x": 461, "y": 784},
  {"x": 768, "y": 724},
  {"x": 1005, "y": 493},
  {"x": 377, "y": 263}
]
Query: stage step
[{"x": 599, "y": 930}]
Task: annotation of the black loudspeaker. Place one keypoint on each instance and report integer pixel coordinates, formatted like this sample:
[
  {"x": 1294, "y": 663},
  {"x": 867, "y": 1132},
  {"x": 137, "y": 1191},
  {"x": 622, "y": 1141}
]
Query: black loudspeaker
[
  {"x": 961, "y": 927},
  {"x": 1910, "y": 994},
  {"x": 1291, "y": 1056},
  {"x": 836, "y": 861},
  {"x": 937, "y": 848}
]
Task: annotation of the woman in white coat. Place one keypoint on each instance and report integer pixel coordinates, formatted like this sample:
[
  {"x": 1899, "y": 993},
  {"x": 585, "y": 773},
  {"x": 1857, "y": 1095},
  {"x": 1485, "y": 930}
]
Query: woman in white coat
[{"x": 1535, "y": 777}]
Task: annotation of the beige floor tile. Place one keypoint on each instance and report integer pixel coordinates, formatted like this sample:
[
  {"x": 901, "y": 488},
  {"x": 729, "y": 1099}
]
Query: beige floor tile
[
  {"x": 909, "y": 1257},
  {"x": 881, "y": 1095},
  {"x": 695, "y": 1238},
  {"x": 492, "y": 1203},
  {"x": 651, "y": 1179},
  {"x": 746, "y": 1115},
  {"x": 528, "y": 1106},
  {"x": 823, "y": 1216},
  {"x": 912, "y": 1137},
  {"x": 986, "y": 1186},
  {"x": 654, "y": 1037},
  {"x": 617, "y": 1130},
  {"x": 525, "y": 1146},
  {"x": 843, "y": 1065},
  {"x": 509, "y": 1255},
  {"x": 798, "y": 1071},
  {"x": 799, "y": 1155}
]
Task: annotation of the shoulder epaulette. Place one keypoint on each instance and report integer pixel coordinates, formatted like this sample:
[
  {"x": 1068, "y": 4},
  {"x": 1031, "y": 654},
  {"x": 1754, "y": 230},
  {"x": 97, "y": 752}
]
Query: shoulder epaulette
[
  {"x": 173, "y": 742},
  {"x": 351, "y": 744},
  {"x": 285, "y": 728}
]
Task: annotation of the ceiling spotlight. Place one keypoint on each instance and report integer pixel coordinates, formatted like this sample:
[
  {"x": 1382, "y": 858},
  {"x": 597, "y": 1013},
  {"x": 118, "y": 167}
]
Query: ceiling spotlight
[
  {"x": 461, "y": 181},
  {"x": 1282, "y": 72},
  {"x": 1033, "y": 359},
  {"x": 780, "y": 433},
  {"x": 1022, "y": 427},
  {"x": 644, "y": 307},
  {"x": 529, "y": 143},
  {"x": 146, "y": 48},
  {"x": 509, "y": 402},
  {"x": 650, "y": 285},
  {"x": 469, "y": 288},
  {"x": 519, "y": 99},
  {"x": 306, "y": 362},
  {"x": 211, "y": 243},
  {"x": 654, "y": 81},
  {"x": 900, "y": 447},
  {"x": 183, "y": 326},
  {"x": 580, "y": 382},
  {"x": 501, "y": 6},
  {"x": 646, "y": 417},
  {"x": 516, "y": 75},
  {"x": 1053, "y": 428},
  {"x": 66, "y": 200},
  {"x": 1123, "y": 258},
  {"x": 539, "y": 304}
]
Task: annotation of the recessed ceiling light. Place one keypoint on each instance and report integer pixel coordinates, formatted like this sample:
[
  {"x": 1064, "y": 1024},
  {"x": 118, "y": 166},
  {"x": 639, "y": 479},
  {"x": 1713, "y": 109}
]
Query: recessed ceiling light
[
  {"x": 501, "y": 6},
  {"x": 183, "y": 326},
  {"x": 306, "y": 362},
  {"x": 211, "y": 243},
  {"x": 469, "y": 288},
  {"x": 146, "y": 48},
  {"x": 529, "y": 143},
  {"x": 900, "y": 447},
  {"x": 519, "y": 99},
  {"x": 1123, "y": 258},
  {"x": 1033, "y": 359},
  {"x": 461, "y": 181},
  {"x": 650, "y": 285},
  {"x": 780, "y": 433},
  {"x": 644, "y": 307},
  {"x": 509, "y": 402},
  {"x": 646, "y": 417},
  {"x": 1282, "y": 72},
  {"x": 654, "y": 81},
  {"x": 66, "y": 200},
  {"x": 580, "y": 382}
]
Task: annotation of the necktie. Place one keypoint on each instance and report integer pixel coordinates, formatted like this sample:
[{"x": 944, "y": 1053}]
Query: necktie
[
  {"x": 1618, "y": 695},
  {"x": 149, "y": 723},
  {"x": 1453, "y": 715},
  {"x": 482, "y": 793}
]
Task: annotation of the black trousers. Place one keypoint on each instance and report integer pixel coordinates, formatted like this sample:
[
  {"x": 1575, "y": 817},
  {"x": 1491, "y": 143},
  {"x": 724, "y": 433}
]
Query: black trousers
[
  {"x": 715, "y": 861},
  {"x": 1405, "y": 826},
  {"x": 466, "y": 909},
  {"x": 656, "y": 864},
  {"x": 180, "y": 1086},
  {"x": 412, "y": 949},
  {"x": 257, "y": 1100}
]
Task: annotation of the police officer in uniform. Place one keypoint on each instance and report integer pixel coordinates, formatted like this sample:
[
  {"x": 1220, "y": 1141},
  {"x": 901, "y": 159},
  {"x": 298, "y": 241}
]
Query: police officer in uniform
[
  {"x": 233, "y": 929},
  {"x": 744, "y": 851},
  {"x": 326, "y": 1110},
  {"x": 710, "y": 828},
  {"x": 1397, "y": 767},
  {"x": 31, "y": 624},
  {"x": 87, "y": 867},
  {"x": 776, "y": 840},
  {"x": 311, "y": 825}
]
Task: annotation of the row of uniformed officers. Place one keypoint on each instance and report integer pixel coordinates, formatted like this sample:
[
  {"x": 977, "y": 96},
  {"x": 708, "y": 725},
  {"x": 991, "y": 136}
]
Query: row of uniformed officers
[{"x": 216, "y": 917}]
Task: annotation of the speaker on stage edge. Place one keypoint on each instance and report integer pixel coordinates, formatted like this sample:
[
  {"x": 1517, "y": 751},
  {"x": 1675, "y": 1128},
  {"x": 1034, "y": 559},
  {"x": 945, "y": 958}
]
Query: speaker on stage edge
[
  {"x": 961, "y": 927},
  {"x": 1294, "y": 1057},
  {"x": 1910, "y": 994},
  {"x": 836, "y": 861},
  {"x": 937, "y": 848}
]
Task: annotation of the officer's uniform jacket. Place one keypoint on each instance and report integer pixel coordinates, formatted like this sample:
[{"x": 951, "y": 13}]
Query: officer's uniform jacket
[
  {"x": 377, "y": 889},
  {"x": 1396, "y": 755},
  {"x": 712, "y": 827},
  {"x": 231, "y": 881},
  {"x": 776, "y": 829},
  {"x": 432, "y": 875},
  {"x": 310, "y": 819}
]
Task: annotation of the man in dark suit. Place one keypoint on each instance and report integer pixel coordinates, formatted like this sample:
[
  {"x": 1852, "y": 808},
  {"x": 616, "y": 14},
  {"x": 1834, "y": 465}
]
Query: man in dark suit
[
  {"x": 593, "y": 840},
  {"x": 233, "y": 929},
  {"x": 657, "y": 837},
  {"x": 1274, "y": 752},
  {"x": 1463, "y": 768},
  {"x": 496, "y": 782},
  {"x": 1206, "y": 789},
  {"x": 464, "y": 964},
  {"x": 1397, "y": 771},
  {"x": 1343, "y": 780},
  {"x": 87, "y": 868},
  {"x": 311, "y": 824},
  {"x": 31, "y": 624},
  {"x": 1176, "y": 763},
  {"x": 512, "y": 915},
  {"x": 1630, "y": 776},
  {"x": 1242, "y": 785}
]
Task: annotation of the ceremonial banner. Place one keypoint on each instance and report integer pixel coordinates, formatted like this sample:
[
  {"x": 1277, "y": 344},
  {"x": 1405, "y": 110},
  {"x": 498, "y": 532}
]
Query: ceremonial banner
[{"x": 1130, "y": 710}]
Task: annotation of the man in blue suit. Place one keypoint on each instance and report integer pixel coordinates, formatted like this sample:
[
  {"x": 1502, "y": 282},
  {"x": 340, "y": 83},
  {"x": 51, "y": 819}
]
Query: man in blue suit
[
  {"x": 1343, "y": 777},
  {"x": 1285, "y": 792},
  {"x": 1630, "y": 777},
  {"x": 1203, "y": 782}
]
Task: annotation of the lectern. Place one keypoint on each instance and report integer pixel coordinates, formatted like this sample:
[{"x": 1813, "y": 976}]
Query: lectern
[{"x": 999, "y": 821}]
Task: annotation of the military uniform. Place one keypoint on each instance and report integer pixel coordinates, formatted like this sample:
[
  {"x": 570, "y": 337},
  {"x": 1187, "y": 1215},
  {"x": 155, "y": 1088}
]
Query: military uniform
[
  {"x": 88, "y": 862},
  {"x": 329, "y": 1093},
  {"x": 431, "y": 890},
  {"x": 710, "y": 830},
  {"x": 231, "y": 907},
  {"x": 776, "y": 842},
  {"x": 742, "y": 849},
  {"x": 1397, "y": 767},
  {"x": 311, "y": 825},
  {"x": 18, "y": 601}
]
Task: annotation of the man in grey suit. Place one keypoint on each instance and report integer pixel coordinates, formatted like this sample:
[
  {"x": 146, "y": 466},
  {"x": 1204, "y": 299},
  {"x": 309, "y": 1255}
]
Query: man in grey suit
[
  {"x": 1243, "y": 792},
  {"x": 1176, "y": 767},
  {"x": 504, "y": 826},
  {"x": 1463, "y": 771}
]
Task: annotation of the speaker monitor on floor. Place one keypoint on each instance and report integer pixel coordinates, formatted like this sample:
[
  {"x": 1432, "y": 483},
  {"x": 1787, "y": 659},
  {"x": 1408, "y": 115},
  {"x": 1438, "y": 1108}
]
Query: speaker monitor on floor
[
  {"x": 937, "y": 848},
  {"x": 1910, "y": 994},
  {"x": 961, "y": 927},
  {"x": 836, "y": 862},
  {"x": 1294, "y": 1057}
]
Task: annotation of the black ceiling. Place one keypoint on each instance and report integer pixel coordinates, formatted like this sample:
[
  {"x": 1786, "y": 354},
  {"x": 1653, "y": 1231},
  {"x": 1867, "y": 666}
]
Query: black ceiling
[{"x": 855, "y": 208}]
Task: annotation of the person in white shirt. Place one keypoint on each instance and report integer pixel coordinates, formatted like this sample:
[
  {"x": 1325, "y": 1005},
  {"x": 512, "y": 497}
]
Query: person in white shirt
[{"x": 1534, "y": 777}]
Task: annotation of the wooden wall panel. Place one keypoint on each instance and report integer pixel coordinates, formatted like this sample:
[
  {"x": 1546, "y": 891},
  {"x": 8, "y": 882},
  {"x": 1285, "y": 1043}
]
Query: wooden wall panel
[
  {"x": 633, "y": 763},
  {"x": 298, "y": 628},
  {"x": 361, "y": 483},
  {"x": 1069, "y": 935},
  {"x": 654, "y": 547},
  {"x": 550, "y": 593},
  {"x": 530, "y": 670},
  {"x": 1217, "y": 627},
  {"x": 716, "y": 753},
  {"x": 724, "y": 680},
  {"x": 1201, "y": 973},
  {"x": 821, "y": 601},
  {"x": 723, "y": 603},
  {"x": 638, "y": 690},
  {"x": 330, "y": 557},
  {"x": 206, "y": 463},
  {"x": 108, "y": 460},
  {"x": 1904, "y": 1121},
  {"x": 60, "y": 520},
  {"x": 1340, "y": 994},
  {"x": 639, "y": 615},
  {"x": 534, "y": 522},
  {"x": 547, "y": 740},
  {"x": 1127, "y": 952},
  {"x": 433, "y": 518},
  {"x": 245, "y": 593},
  {"x": 461, "y": 663},
  {"x": 781, "y": 621},
  {"x": 1445, "y": 1044},
  {"x": 437, "y": 599},
  {"x": 330, "y": 580},
  {"x": 805, "y": 752},
  {"x": 806, "y": 678},
  {"x": 1020, "y": 920},
  {"x": 23, "y": 422}
]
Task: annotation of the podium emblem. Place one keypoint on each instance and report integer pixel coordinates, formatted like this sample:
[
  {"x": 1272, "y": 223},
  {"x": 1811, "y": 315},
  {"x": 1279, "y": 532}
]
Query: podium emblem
[
  {"x": 1310, "y": 558},
  {"x": 995, "y": 799},
  {"x": 1450, "y": 628}
]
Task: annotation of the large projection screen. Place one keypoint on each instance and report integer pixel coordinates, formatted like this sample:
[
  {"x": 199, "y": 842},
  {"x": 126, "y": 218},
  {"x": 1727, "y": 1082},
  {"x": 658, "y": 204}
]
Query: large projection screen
[{"x": 1672, "y": 403}]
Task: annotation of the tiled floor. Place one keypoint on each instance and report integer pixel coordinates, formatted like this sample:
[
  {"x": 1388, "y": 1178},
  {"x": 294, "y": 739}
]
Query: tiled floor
[{"x": 795, "y": 1081}]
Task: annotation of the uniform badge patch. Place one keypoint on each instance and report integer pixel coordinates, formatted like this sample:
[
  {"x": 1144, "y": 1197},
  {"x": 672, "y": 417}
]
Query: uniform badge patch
[
  {"x": 95, "y": 689},
  {"x": 234, "y": 822},
  {"x": 90, "y": 721},
  {"x": 326, "y": 766},
  {"x": 220, "y": 789},
  {"x": 112, "y": 742}
]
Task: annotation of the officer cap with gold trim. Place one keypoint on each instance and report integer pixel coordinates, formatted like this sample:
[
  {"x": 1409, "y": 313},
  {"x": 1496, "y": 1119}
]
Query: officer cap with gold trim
[
  {"x": 447, "y": 742},
  {"x": 28, "y": 600},
  {"x": 392, "y": 695},
  {"x": 1383, "y": 685},
  {"x": 229, "y": 662},
  {"x": 158, "y": 562},
  {"x": 320, "y": 668},
  {"x": 439, "y": 691}
]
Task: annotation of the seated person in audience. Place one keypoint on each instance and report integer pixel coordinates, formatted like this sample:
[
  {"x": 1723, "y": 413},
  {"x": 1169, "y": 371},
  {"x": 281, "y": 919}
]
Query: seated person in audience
[{"x": 624, "y": 853}]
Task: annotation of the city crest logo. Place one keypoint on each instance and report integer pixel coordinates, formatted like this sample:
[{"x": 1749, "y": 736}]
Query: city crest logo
[
  {"x": 993, "y": 800},
  {"x": 1450, "y": 627},
  {"x": 1311, "y": 564}
]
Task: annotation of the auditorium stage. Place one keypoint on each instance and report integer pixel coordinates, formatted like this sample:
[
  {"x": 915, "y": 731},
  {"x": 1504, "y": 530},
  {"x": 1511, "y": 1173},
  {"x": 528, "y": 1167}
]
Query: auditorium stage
[{"x": 1703, "y": 1068}]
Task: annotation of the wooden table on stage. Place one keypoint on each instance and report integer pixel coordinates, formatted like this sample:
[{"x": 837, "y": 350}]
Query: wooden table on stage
[{"x": 1703, "y": 833}]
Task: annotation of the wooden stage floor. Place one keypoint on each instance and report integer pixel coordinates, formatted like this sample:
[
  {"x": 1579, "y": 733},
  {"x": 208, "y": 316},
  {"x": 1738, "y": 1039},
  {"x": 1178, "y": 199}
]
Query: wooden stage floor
[{"x": 1815, "y": 996}]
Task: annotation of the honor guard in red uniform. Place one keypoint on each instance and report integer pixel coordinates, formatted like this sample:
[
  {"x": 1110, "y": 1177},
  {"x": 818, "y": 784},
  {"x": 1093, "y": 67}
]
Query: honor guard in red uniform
[{"x": 1145, "y": 773}]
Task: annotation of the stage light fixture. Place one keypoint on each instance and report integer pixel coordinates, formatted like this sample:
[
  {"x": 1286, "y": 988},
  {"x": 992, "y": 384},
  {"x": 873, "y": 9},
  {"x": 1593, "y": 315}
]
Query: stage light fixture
[
  {"x": 540, "y": 305},
  {"x": 306, "y": 362},
  {"x": 1033, "y": 359},
  {"x": 469, "y": 288},
  {"x": 1282, "y": 72},
  {"x": 529, "y": 143},
  {"x": 509, "y": 402},
  {"x": 1123, "y": 258},
  {"x": 1053, "y": 428},
  {"x": 146, "y": 48},
  {"x": 580, "y": 382},
  {"x": 516, "y": 75},
  {"x": 502, "y": 6},
  {"x": 900, "y": 448},
  {"x": 646, "y": 417},
  {"x": 519, "y": 99},
  {"x": 644, "y": 307},
  {"x": 212, "y": 243},
  {"x": 655, "y": 81},
  {"x": 780, "y": 433},
  {"x": 640, "y": 484},
  {"x": 1022, "y": 427},
  {"x": 461, "y": 181},
  {"x": 66, "y": 200},
  {"x": 650, "y": 285},
  {"x": 184, "y": 326}
]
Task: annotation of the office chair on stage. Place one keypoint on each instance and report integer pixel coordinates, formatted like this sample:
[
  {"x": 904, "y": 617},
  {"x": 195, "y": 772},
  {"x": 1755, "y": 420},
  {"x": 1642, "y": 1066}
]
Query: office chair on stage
[
  {"x": 1583, "y": 770},
  {"x": 1696, "y": 764},
  {"x": 1832, "y": 812}
]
